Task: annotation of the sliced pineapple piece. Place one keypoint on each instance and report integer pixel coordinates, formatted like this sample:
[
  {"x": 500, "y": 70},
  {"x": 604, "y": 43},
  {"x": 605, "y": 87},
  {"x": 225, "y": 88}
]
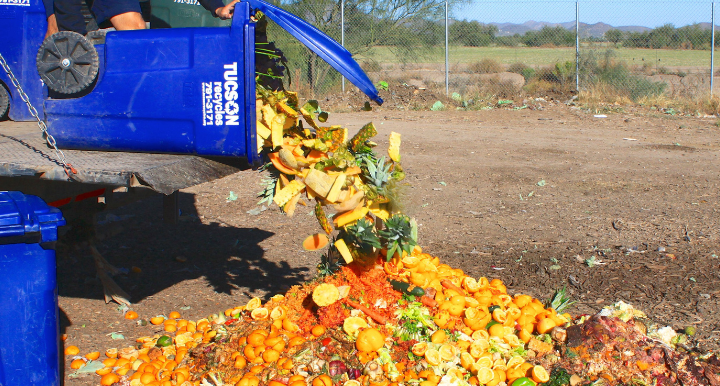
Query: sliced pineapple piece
[
  {"x": 394, "y": 148},
  {"x": 285, "y": 109},
  {"x": 350, "y": 217},
  {"x": 285, "y": 194},
  {"x": 325, "y": 294},
  {"x": 276, "y": 128},
  {"x": 334, "y": 192},
  {"x": 344, "y": 250},
  {"x": 319, "y": 182},
  {"x": 262, "y": 130}
]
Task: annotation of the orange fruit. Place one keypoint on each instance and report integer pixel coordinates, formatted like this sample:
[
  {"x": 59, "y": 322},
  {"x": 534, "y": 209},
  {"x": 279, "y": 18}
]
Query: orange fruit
[
  {"x": 318, "y": 330},
  {"x": 485, "y": 375},
  {"x": 256, "y": 339},
  {"x": 77, "y": 363},
  {"x": 109, "y": 379},
  {"x": 466, "y": 360},
  {"x": 103, "y": 371},
  {"x": 288, "y": 325},
  {"x": 499, "y": 316},
  {"x": 174, "y": 315},
  {"x": 157, "y": 320},
  {"x": 131, "y": 315},
  {"x": 497, "y": 330},
  {"x": 278, "y": 313},
  {"x": 544, "y": 326},
  {"x": 447, "y": 352},
  {"x": 170, "y": 328},
  {"x": 260, "y": 313},
  {"x": 524, "y": 335},
  {"x": 93, "y": 355},
  {"x": 296, "y": 341},
  {"x": 539, "y": 374},
  {"x": 146, "y": 378},
  {"x": 369, "y": 339},
  {"x": 72, "y": 350},
  {"x": 296, "y": 378},
  {"x": 438, "y": 336},
  {"x": 419, "y": 348},
  {"x": 432, "y": 356},
  {"x": 270, "y": 356},
  {"x": 322, "y": 380}
]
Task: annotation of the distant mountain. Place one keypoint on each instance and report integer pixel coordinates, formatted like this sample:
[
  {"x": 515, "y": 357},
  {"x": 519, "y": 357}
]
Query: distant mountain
[{"x": 596, "y": 30}]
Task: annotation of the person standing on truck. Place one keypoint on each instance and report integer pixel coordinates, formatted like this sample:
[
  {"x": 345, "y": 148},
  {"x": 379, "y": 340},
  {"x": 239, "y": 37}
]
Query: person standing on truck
[{"x": 122, "y": 14}]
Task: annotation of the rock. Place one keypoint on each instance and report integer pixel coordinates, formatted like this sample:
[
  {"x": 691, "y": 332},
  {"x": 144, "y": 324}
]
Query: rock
[{"x": 417, "y": 83}]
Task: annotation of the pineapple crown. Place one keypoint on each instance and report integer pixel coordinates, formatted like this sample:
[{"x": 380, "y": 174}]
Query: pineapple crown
[
  {"x": 362, "y": 236},
  {"x": 378, "y": 173},
  {"x": 400, "y": 234}
]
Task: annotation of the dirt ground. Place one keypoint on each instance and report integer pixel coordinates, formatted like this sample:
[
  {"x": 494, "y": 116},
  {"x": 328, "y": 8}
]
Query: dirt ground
[{"x": 617, "y": 208}]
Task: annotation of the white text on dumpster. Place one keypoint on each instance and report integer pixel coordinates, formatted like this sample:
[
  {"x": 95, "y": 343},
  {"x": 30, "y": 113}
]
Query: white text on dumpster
[{"x": 220, "y": 105}]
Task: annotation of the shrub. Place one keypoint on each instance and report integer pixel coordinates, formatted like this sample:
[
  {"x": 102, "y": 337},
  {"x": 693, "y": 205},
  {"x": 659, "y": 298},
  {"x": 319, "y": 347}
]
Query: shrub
[
  {"x": 371, "y": 66},
  {"x": 517, "y": 67},
  {"x": 486, "y": 66}
]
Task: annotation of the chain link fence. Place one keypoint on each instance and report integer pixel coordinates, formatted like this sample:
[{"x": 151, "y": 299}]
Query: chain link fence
[{"x": 626, "y": 50}]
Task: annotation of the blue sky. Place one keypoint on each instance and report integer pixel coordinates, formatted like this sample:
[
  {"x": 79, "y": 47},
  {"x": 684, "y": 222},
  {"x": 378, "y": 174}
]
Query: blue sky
[{"x": 644, "y": 13}]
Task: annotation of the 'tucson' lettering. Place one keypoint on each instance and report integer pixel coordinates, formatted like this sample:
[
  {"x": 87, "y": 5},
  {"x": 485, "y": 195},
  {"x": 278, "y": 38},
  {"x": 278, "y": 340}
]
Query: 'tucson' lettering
[{"x": 231, "y": 95}]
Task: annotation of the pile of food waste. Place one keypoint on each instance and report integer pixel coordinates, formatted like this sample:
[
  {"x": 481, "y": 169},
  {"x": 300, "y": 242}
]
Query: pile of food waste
[
  {"x": 381, "y": 311},
  {"x": 367, "y": 325}
]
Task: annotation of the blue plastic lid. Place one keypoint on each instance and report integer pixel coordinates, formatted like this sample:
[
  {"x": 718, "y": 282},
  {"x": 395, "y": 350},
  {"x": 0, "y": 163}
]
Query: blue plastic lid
[
  {"x": 321, "y": 44},
  {"x": 21, "y": 214}
]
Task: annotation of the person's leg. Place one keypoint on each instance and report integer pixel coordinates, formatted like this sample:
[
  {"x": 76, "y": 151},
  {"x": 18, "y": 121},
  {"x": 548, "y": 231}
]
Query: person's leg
[{"x": 123, "y": 14}]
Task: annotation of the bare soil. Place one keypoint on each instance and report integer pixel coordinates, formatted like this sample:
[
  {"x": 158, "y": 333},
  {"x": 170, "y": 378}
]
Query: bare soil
[{"x": 617, "y": 208}]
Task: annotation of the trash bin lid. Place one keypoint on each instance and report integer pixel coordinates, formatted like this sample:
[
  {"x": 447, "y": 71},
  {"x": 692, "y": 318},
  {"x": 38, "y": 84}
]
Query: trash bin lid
[
  {"x": 22, "y": 214},
  {"x": 327, "y": 48}
]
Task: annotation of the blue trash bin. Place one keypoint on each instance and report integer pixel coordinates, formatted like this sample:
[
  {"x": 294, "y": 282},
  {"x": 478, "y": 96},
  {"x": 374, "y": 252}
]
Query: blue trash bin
[
  {"x": 184, "y": 90},
  {"x": 22, "y": 28},
  {"x": 29, "y": 330}
]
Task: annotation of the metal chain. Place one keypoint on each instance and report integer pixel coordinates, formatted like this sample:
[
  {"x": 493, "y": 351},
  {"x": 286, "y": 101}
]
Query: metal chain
[{"x": 49, "y": 138}]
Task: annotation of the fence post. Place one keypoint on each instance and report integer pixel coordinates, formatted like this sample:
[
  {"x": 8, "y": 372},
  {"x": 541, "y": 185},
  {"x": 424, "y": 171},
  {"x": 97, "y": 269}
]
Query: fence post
[
  {"x": 342, "y": 33},
  {"x": 577, "y": 46},
  {"x": 447, "y": 56},
  {"x": 712, "y": 47}
]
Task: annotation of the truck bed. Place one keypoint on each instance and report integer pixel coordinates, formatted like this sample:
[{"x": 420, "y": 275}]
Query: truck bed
[{"x": 24, "y": 153}]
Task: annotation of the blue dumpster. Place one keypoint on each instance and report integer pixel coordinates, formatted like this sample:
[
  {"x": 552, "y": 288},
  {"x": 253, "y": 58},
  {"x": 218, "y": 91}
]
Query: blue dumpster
[
  {"x": 180, "y": 90},
  {"x": 183, "y": 90},
  {"x": 22, "y": 29},
  {"x": 29, "y": 332}
]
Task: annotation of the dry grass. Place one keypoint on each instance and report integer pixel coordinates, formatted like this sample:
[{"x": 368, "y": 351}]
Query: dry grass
[
  {"x": 695, "y": 105},
  {"x": 486, "y": 66}
]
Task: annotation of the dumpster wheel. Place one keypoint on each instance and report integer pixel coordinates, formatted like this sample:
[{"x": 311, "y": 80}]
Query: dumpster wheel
[
  {"x": 67, "y": 62},
  {"x": 4, "y": 101}
]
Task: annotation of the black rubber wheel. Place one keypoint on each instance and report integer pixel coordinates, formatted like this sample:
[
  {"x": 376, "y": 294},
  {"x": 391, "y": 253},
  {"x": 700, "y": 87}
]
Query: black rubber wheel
[
  {"x": 4, "y": 102},
  {"x": 67, "y": 62}
]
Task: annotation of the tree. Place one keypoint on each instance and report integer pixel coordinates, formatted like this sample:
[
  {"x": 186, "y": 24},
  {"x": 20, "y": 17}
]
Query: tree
[
  {"x": 472, "y": 33},
  {"x": 401, "y": 25},
  {"x": 614, "y": 35}
]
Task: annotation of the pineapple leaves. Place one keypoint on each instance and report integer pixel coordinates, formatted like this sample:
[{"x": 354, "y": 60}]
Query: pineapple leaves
[
  {"x": 268, "y": 183},
  {"x": 362, "y": 237},
  {"x": 560, "y": 300},
  {"x": 398, "y": 235}
]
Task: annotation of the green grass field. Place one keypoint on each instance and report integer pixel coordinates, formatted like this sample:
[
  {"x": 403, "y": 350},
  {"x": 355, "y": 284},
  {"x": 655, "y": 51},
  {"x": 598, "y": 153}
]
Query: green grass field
[{"x": 534, "y": 56}]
